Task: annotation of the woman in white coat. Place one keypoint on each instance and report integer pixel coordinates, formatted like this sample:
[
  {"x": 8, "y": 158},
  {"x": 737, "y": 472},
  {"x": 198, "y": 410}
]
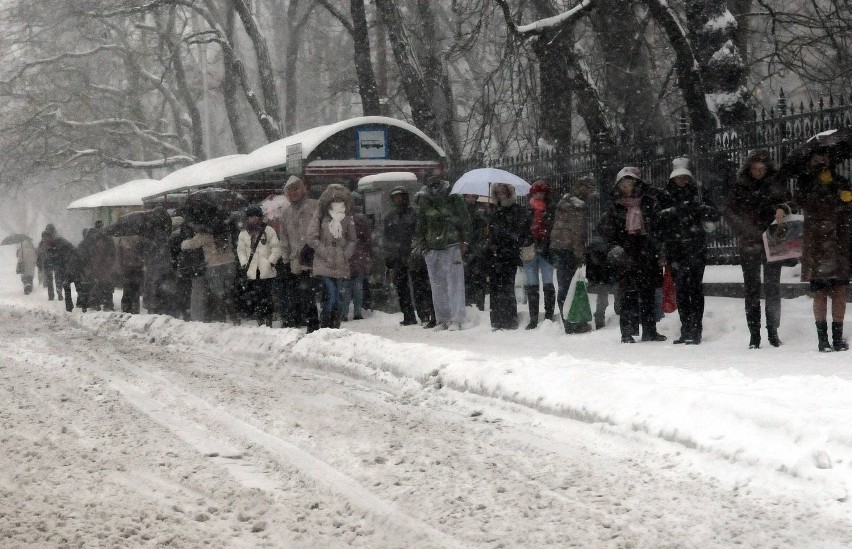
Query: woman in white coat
[{"x": 257, "y": 250}]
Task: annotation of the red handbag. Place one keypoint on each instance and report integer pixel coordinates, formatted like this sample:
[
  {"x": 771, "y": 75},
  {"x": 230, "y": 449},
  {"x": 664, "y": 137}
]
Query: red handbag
[{"x": 669, "y": 292}]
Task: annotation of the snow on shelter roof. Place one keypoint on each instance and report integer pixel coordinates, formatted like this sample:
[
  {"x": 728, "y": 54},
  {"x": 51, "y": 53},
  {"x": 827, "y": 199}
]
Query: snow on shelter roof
[
  {"x": 274, "y": 155},
  {"x": 388, "y": 176},
  {"x": 200, "y": 174},
  {"x": 126, "y": 194}
]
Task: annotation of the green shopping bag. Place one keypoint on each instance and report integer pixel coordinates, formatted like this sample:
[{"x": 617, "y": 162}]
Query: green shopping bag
[{"x": 580, "y": 311}]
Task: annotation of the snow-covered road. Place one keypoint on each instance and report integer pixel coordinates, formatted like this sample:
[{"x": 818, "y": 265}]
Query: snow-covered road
[{"x": 113, "y": 435}]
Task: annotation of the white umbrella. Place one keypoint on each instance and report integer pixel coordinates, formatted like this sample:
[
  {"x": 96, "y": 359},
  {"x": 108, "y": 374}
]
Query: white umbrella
[{"x": 480, "y": 181}]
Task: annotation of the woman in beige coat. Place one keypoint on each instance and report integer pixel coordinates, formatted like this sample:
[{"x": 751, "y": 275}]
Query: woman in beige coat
[
  {"x": 333, "y": 238},
  {"x": 27, "y": 264}
]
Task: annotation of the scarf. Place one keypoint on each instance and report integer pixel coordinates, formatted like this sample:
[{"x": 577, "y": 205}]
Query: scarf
[
  {"x": 337, "y": 211},
  {"x": 539, "y": 230},
  {"x": 633, "y": 219}
]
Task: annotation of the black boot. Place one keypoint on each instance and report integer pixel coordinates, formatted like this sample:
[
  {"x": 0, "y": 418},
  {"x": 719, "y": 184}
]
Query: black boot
[
  {"x": 772, "y": 336},
  {"x": 649, "y": 333},
  {"x": 754, "y": 341},
  {"x": 837, "y": 337},
  {"x": 549, "y": 301},
  {"x": 822, "y": 337},
  {"x": 325, "y": 321},
  {"x": 532, "y": 299},
  {"x": 334, "y": 321}
]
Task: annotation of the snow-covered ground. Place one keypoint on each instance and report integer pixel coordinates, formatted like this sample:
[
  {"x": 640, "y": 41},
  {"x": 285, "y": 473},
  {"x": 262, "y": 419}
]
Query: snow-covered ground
[{"x": 130, "y": 430}]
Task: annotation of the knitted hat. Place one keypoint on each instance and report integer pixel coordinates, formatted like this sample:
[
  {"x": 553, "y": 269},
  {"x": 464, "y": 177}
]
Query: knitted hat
[
  {"x": 254, "y": 211},
  {"x": 680, "y": 166},
  {"x": 629, "y": 171},
  {"x": 398, "y": 190}
]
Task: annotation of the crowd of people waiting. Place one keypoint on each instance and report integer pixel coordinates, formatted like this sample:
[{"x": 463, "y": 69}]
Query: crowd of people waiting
[{"x": 445, "y": 251}]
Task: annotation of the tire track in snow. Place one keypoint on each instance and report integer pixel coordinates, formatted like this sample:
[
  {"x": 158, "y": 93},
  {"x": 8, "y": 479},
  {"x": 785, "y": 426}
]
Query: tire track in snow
[{"x": 228, "y": 456}]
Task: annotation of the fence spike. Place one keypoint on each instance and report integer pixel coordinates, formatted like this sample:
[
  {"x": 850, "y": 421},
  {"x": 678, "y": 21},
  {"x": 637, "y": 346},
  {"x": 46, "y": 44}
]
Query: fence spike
[
  {"x": 782, "y": 103},
  {"x": 830, "y": 100},
  {"x": 821, "y": 104}
]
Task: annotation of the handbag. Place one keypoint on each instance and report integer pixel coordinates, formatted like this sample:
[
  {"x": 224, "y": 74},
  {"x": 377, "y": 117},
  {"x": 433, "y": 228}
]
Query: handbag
[
  {"x": 580, "y": 311},
  {"x": 784, "y": 241},
  {"x": 306, "y": 257}
]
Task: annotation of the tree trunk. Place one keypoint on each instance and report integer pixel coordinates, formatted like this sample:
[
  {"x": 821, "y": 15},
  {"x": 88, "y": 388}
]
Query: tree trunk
[
  {"x": 413, "y": 82},
  {"x": 229, "y": 93},
  {"x": 712, "y": 31},
  {"x": 264, "y": 63},
  {"x": 196, "y": 133},
  {"x": 367, "y": 87}
]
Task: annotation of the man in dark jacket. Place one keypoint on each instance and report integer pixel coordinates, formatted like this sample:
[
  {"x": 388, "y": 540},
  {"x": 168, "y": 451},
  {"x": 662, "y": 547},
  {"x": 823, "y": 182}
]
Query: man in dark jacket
[
  {"x": 97, "y": 256},
  {"x": 443, "y": 231},
  {"x": 46, "y": 270},
  {"x": 63, "y": 256},
  {"x": 684, "y": 223},
  {"x": 398, "y": 234},
  {"x": 475, "y": 265}
]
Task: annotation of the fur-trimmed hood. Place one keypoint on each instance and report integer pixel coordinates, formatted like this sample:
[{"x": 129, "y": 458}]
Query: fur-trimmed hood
[{"x": 335, "y": 192}]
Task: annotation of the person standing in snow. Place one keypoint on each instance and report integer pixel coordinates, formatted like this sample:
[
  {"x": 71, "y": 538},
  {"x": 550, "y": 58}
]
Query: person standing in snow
[
  {"x": 65, "y": 261},
  {"x": 419, "y": 274},
  {"x": 220, "y": 272},
  {"x": 131, "y": 271},
  {"x": 97, "y": 257},
  {"x": 397, "y": 236},
  {"x": 508, "y": 230},
  {"x": 475, "y": 265},
  {"x": 46, "y": 269},
  {"x": 538, "y": 260},
  {"x": 361, "y": 262},
  {"x": 826, "y": 199},
  {"x": 296, "y": 219},
  {"x": 443, "y": 231},
  {"x": 257, "y": 250},
  {"x": 629, "y": 227},
  {"x": 686, "y": 217},
  {"x": 27, "y": 258},
  {"x": 333, "y": 237},
  {"x": 756, "y": 200},
  {"x": 568, "y": 242}
]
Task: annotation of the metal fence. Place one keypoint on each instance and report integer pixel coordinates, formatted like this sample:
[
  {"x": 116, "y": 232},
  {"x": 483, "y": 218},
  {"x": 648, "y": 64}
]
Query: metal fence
[{"x": 780, "y": 130}]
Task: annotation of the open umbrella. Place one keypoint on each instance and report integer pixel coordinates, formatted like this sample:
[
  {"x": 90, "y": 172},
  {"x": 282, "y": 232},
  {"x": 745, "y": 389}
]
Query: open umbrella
[
  {"x": 16, "y": 238},
  {"x": 211, "y": 207},
  {"x": 836, "y": 143},
  {"x": 480, "y": 181}
]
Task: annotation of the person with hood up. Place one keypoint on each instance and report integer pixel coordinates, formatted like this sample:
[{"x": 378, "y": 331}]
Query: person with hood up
[
  {"x": 507, "y": 231},
  {"x": 257, "y": 251},
  {"x": 537, "y": 260},
  {"x": 296, "y": 218},
  {"x": 568, "y": 238},
  {"x": 65, "y": 261},
  {"x": 756, "y": 200},
  {"x": 398, "y": 232},
  {"x": 46, "y": 270},
  {"x": 419, "y": 274},
  {"x": 97, "y": 258},
  {"x": 629, "y": 227},
  {"x": 443, "y": 232},
  {"x": 333, "y": 237},
  {"x": 27, "y": 258},
  {"x": 826, "y": 199},
  {"x": 687, "y": 217},
  {"x": 475, "y": 265}
]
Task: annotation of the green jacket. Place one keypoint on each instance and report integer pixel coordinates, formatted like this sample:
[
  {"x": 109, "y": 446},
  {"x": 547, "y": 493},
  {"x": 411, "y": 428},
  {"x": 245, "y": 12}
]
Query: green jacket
[{"x": 442, "y": 221}]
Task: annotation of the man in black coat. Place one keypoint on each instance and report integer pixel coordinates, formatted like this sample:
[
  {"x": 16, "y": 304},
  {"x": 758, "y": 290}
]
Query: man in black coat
[
  {"x": 398, "y": 234},
  {"x": 62, "y": 255}
]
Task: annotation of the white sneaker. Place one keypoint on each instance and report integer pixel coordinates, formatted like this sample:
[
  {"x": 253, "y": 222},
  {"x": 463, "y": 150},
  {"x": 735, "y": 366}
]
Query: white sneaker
[
  {"x": 441, "y": 327},
  {"x": 455, "y": 327}
]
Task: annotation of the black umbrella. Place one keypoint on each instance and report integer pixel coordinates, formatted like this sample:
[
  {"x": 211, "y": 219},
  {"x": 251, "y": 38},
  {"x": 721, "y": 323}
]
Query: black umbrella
[
  {"x": 16, "y": 238},
  {"x": 837, "y": 144},
  {"x": 211, "y": 207}
]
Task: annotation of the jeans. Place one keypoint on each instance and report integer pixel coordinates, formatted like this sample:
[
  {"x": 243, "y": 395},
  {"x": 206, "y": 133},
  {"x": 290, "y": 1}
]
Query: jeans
[
  {"x": 354, "y": 293},
  {"x": 537, "y": 265},
  {"x": 332, "y": 300},
  {"x": 446, "y": 277},
  {"x": 751, "y": 262},
  {"x": 566, "y": 265}
]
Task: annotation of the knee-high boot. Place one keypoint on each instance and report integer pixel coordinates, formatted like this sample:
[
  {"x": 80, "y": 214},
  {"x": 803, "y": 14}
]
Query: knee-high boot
[
  {"x": 549, "y": 300},
  {"x": 532, "y": 300}
]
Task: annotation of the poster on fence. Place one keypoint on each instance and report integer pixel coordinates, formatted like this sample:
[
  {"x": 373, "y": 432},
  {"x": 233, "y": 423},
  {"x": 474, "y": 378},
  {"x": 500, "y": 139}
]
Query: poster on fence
[{"x": 784, "y": 241}]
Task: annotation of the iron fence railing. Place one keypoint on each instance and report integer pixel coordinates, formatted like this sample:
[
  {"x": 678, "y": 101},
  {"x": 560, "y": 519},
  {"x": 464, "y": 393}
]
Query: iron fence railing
[{"x": 715, "y": 158}]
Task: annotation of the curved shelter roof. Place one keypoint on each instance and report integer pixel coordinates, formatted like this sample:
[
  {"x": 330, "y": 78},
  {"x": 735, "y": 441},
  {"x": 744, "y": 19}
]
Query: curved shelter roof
[
  {"x": 366, "y": 143},
  {"x": 198, "y": 175},
  {"x": 125, "y": 195}
]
